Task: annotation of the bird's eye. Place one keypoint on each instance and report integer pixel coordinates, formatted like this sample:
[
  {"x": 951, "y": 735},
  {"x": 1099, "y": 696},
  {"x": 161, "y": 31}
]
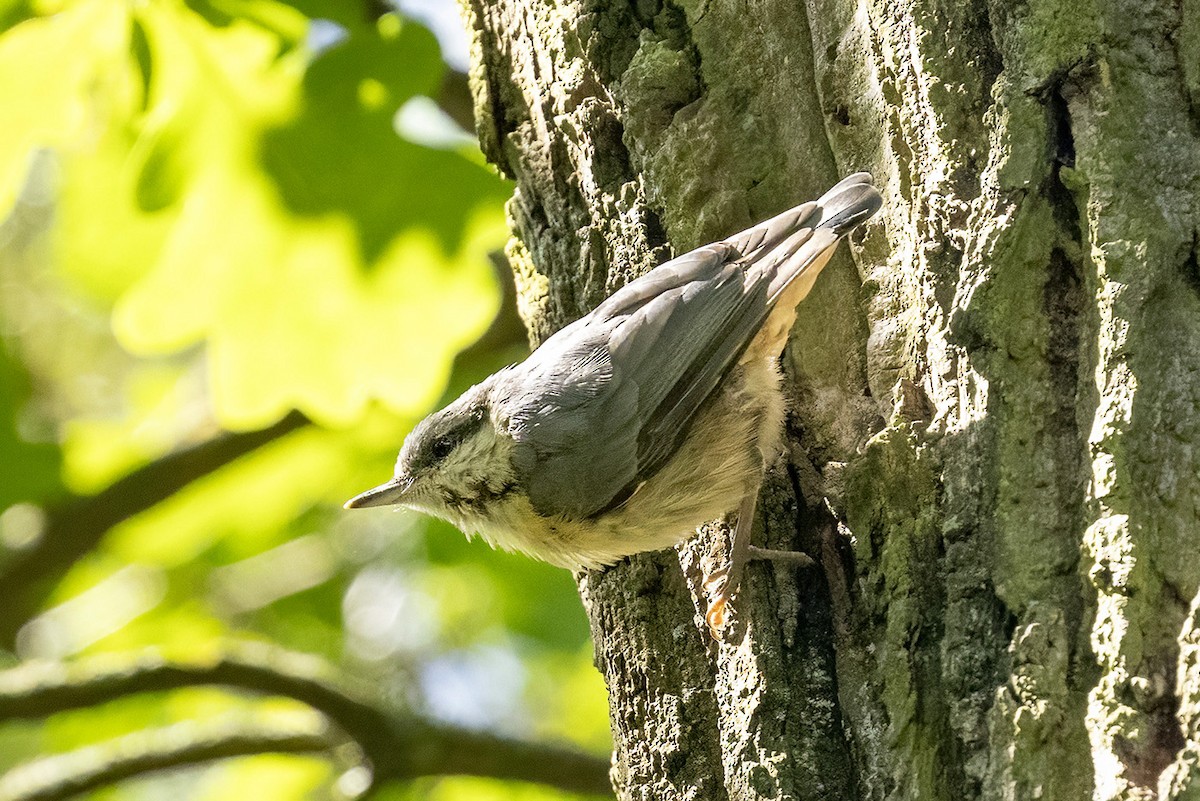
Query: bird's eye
[{"x": 441, "y": 447}]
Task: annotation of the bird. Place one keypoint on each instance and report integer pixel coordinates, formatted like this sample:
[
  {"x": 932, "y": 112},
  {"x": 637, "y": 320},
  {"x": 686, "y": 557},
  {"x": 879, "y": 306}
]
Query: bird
[{"x": 658, "y": 411}]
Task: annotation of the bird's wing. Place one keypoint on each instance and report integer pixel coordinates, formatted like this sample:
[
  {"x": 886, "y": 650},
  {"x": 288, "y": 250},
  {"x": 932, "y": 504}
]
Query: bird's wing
[
  {"x": 644, "y": 362},
  {"x": 581, "y": 431},
  {"x": 677, "y": 347},
  {"x": 575, "y": 432}
]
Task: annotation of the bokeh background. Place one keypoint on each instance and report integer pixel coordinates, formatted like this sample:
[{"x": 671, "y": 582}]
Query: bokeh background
[{"x": 246, "y": 245}]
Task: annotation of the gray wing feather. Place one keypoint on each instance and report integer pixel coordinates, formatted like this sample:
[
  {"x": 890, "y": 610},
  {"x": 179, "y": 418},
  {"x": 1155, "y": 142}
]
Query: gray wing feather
[
  {"x": 645, "y": 360},
  {"x": 575, "y": 432},
  {"x": 728, "y": 324},
  {"x": 581, "y": 434}
]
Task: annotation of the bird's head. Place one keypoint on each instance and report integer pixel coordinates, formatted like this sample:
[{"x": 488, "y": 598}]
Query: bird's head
[{"x": 452, "y": 465}]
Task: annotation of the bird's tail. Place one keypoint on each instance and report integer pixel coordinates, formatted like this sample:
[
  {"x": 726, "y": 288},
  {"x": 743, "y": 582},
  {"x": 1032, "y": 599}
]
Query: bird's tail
[
  {"x": 851, "y": 201},
  {"x": 796, "y": 244},
  {"x": 840, "y": 210}
]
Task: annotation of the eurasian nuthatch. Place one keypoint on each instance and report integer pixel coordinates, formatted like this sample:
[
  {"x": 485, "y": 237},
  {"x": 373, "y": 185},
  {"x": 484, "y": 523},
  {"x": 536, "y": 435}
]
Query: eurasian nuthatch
[{"x": 653, "y": 414}]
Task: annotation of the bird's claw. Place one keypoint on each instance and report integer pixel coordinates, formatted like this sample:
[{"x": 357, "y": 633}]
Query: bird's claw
[
  {"x": 716, "y": 616},
  {"x": 717, "y": 589}
]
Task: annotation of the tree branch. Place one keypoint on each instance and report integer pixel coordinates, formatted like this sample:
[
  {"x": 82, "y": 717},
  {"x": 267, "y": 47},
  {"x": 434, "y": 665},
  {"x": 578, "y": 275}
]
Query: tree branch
[
  {"x": 66, "y": 775},
  {"x": 75, "y": 525},
  {"x": 399, "y": 745}
]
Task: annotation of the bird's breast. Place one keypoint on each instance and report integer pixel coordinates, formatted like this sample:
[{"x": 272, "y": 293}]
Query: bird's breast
[{"x": 720, "y": 460}]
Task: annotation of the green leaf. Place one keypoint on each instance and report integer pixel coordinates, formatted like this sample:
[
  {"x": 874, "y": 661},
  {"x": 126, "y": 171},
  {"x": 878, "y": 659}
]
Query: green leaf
[
  {"x": 13, "y": 12},
  {"x": 274, "y": 777},
  {"x": 49, "y": 99},
  {"x": 343, "y": 141},
  {"x": 260, "y": 202}
]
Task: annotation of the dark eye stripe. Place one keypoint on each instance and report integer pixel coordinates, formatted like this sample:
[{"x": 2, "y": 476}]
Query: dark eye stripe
[
  {"x": 443, "y": 446},
  {"x": 445, "y": 443}
]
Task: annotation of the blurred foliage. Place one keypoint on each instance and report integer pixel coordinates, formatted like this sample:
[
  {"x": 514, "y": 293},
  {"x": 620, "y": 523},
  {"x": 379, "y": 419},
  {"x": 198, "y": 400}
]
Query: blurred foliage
[
  {"x": 223, "y": 182},
  {"x": 210, "y": 220}
]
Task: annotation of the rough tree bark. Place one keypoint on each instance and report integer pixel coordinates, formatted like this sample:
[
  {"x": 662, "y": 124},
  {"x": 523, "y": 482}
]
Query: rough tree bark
[{"x": 996, "y": 402}]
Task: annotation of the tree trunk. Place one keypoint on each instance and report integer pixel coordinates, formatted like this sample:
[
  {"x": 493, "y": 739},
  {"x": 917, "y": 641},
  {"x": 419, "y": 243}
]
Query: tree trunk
[{"x": 995, "y": 428}]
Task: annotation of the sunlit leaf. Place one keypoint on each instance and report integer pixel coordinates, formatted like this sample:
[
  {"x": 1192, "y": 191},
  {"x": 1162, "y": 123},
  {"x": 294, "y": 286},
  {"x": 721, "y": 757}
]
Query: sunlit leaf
[
  {"x": 468, "y": 788},
  {"x": 344, "y": 140},
  {"x": 265, "y": 206},
  {"x": 567, "y": 685},
  {"x": 49, "y": 99}
]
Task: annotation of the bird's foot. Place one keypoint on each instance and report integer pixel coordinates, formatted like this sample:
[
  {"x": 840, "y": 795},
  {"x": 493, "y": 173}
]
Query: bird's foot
[
  {"x": 718, "y": 589},
  {"x": 715, "y": 617},
  {"x": 722, "y": 583}
]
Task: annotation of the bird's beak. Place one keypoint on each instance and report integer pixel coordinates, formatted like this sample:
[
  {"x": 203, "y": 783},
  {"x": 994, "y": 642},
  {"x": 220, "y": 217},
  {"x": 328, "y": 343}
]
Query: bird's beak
[{"x": 384, "y": 495}]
